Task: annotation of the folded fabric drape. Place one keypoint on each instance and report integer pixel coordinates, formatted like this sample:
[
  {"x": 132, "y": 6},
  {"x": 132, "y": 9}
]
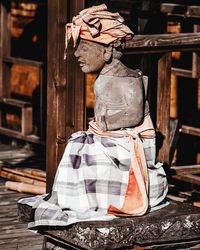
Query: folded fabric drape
[{"x": 136, "y": 198}]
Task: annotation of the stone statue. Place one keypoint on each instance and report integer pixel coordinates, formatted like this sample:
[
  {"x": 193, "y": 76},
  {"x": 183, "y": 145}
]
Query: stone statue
[
  {"x": 117, "y": 104},
  {"x": 110, "y": 169}
]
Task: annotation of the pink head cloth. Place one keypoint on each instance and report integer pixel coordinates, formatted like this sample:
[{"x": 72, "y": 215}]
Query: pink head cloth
[{"x": 98, "y": 25}]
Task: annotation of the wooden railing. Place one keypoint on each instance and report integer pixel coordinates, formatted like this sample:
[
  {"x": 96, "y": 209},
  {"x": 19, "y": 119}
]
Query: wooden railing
[{"x": 161, "y": 46}]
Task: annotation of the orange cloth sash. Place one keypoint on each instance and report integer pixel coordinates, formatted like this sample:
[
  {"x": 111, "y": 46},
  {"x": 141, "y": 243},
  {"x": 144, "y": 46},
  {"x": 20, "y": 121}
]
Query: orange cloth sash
[{"x": 136, "y": 197}]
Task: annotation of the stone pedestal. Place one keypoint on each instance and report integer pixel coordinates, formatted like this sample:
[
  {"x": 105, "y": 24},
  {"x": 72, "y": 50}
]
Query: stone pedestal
[{"x": 172, "y": 227}]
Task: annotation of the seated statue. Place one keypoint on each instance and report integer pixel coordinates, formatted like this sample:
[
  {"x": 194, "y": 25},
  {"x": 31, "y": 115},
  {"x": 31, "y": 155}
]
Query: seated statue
[{"x": 110, "y": 169}]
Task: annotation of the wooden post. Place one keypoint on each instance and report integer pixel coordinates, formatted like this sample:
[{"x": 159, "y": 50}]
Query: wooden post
[
  {"x": 75, "y": 110},
  {"x": 65, "y": 86},
  {"x": 163, "y": 104},
  {"x": 26, "y": 121},
  {"x": 4, "y": 50},
  {"x": 56, "y": 86},
  {"x": 1, "y": 50},
  {"x": 196, "y": 58},
  {"x": 174, "y": 97}
]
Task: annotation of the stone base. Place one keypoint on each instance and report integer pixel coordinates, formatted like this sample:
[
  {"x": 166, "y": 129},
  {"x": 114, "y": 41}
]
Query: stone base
[{"x": 174, "y": 225}]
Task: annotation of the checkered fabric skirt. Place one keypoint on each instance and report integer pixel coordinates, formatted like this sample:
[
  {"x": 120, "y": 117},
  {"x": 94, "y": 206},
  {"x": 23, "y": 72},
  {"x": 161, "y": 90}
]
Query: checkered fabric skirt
[{"x": 92, "y": 175}]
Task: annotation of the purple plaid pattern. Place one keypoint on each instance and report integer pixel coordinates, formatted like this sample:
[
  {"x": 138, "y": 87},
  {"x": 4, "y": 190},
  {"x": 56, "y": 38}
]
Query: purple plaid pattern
[{"x": 93, "y": 174}]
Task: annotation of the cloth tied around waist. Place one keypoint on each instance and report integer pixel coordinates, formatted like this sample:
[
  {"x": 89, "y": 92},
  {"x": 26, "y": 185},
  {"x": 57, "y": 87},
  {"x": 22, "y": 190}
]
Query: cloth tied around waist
[{"x": 136, "y": 197}]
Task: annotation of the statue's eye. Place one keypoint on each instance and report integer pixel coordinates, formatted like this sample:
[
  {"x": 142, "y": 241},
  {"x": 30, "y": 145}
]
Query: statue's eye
[{"x": 84, "y": 48}]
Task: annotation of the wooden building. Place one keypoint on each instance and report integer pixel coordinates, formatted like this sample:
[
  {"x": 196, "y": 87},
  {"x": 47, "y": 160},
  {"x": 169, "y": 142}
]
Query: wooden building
[{"x": 38, "y": 85}]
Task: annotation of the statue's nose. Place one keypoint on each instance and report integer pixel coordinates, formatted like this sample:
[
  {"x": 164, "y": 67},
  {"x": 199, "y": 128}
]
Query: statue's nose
[{"x": 76, "y": 53}]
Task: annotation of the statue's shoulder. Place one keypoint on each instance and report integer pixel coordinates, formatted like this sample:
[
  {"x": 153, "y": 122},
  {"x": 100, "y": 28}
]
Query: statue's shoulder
[
  {"x": 134, "y": 73},
  {"x": 124, "y": 71},
  {"x": 118, "y": 69}
]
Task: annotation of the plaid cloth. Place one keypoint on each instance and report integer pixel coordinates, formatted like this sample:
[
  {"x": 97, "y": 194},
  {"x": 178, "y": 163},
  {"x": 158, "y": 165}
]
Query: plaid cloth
[{"x": 93, "y": 174}]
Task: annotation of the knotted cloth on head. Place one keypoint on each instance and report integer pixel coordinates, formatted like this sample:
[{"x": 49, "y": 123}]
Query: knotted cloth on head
[{"x": 98, "y": 25}]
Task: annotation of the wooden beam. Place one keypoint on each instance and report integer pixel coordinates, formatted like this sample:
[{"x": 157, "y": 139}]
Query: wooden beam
[
  {"x": 190, "y": 130},
  {"x": 193, "y": 11},
  {"x": 189, "y": 178},
  {"x": 186, "y": 11},
  {"x": 163, "y": 105},
  {"x": 15, "y": 102},
  {"x": 182, "y": 170},
  {"x": 20, "y": 136},
  {"x": 30, "y": 1},
  {"x": 16, "y": 60},
  {"x": 182, "y": 72},
  {"x": 163, "y": 43},
  {"x": 169, "y": 8}
]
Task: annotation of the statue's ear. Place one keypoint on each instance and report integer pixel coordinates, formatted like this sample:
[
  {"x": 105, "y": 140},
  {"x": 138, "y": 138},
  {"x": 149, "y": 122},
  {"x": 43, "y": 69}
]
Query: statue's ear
[{"x": 107, "y": 53}]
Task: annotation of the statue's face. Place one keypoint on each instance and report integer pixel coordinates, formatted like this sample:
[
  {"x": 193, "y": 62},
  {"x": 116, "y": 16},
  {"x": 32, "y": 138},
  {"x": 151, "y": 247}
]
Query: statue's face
[{"x": 90, "y": 56}]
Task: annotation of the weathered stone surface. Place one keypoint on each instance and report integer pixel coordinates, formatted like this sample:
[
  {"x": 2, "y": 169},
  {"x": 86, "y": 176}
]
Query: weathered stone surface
[
  {"x": 176, "y": 222},
  {"x": 24, "y": 212}
]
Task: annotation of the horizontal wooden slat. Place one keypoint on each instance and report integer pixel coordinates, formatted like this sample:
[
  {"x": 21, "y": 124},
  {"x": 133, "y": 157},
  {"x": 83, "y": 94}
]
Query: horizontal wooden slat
[
  {"x": 15, "y": 102},
  {"x": 163, "y": 43},
  {"x": 190, "y": 130},
  {"x": 193, "y": 11},
  {"x": 30, "y": 1},
  {"x": 176, "y": 198},
  {"x": 167, "y": 8},
  {"x": 189, "y": 178},
  {"x": 182, "y": 72},
  {"x": 23, "y": 246},
  {"x": 182, "y": 170},
  {"x": 187, "y": 11},
  {"x": 14, "y": 153},
  {"x": 15, "y": 134},
  {"x": 15, "y": 60}
]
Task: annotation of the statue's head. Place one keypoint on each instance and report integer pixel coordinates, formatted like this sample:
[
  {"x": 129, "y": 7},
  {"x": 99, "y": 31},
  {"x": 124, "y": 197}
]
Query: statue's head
[
  {"x": 92, "y": 56},
  {"x": 97, "y": 34}
]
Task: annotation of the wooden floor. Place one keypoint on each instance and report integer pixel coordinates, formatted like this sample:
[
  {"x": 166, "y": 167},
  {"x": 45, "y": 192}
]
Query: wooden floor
[{"x": 13, "y": 233}]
